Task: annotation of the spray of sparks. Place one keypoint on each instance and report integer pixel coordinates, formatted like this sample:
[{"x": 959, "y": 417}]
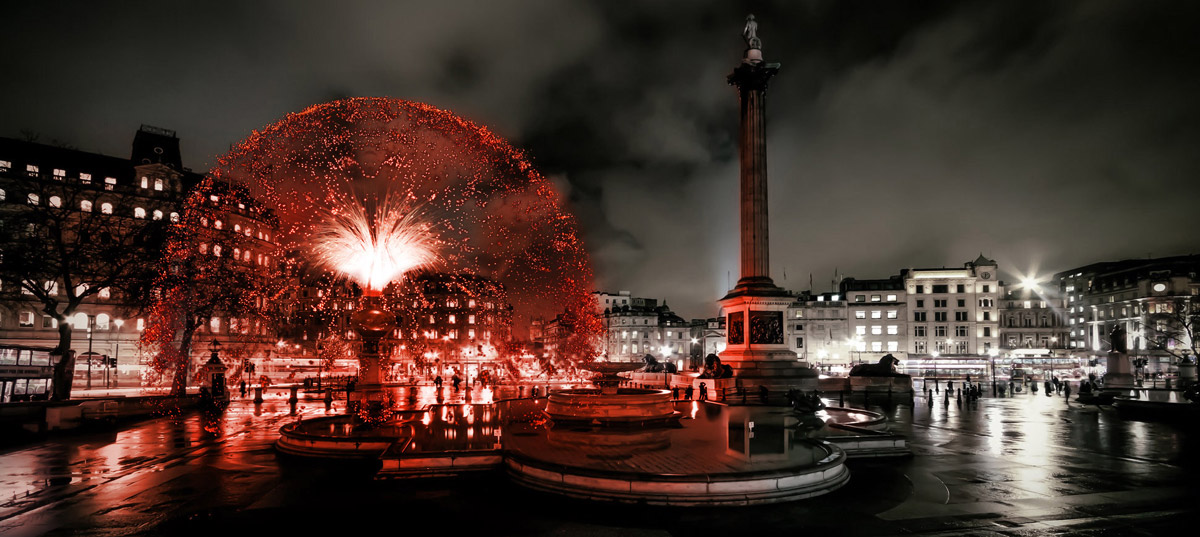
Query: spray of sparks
[{"x": 374, "y": 248}]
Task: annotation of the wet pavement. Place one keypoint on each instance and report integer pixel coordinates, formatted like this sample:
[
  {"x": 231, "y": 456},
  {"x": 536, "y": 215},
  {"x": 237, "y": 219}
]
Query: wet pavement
[{"x": 1027, "y": 465}]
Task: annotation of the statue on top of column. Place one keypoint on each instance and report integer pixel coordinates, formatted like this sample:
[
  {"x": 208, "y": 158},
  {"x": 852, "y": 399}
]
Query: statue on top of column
[{"x": 750, "y": 33}]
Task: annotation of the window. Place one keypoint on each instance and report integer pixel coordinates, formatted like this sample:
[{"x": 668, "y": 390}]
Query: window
[
  {"x": 962, "y": 303},
  {"x": 860, "y": 330},
  {"x": 987, "y": 303},
  {"x": 960, "y": 288},
  {"x": 26, "y": 319},
  {"x": 939, "y": 316},
  {"x": 106, "y": 208},
  {"x": 919, "y": 316},
  {"x": 145, "y": 182},
  {"x": 987, "y": 315},
  {"x": 876, "y": 346},
  {"x": 939, "y": 331},
  {"x": 860, "y": 314},
  {"x": 987, "y": 288},
  {"x": 85, "y": 206},
  {"x": 105, "y": 292},
  {"x": 139, "y": 212},
  {"x": 941, "y": 289},
  {"x": 141, "y": 324},
  {"x": 158, "y": 184},
  {"x": 217, "y": 224},
  {"x": 860, "y": 298},
  {"x": 919, "y": 347},
  {"x": 49, "y": 322},
  {"x": 960, "y": 331},
  {"x": 452, "y": 319},
  {"x": 214, "y": 325},
  {"x": 102, "y": 321},
  {"x": 893, "y": 329},
  {"x": 874, "y": 298},
  {"x": 920, "y": 303},
  {"x": 5, "y": 165},
  {"x": 158, "y": 214},
  {"x": 174, "y": 218},
  {"x": 33, "y": 199},
  {"x": 799, "y": 342},
  {"x": 3, "y": 194},
  {"x": 110, "y": 183},
  {"x": 876, "y": 330},
  {"x": 893, "y": 346},
  {"x": 987, "y": 331},
  {"x": 55, "y": 201},
  {"x": 920, "y": 289},
  {"x": 960, "y": 316},
  {"x": 939, "y": 303},
  {"x": 32, "y": 171},
  {"x": 60, "y": 174},
  {"x": 877, "y": 314},
  {"x": 891, "y": 314},
  {"x": 919, "y": 331},
  {"x": 1028, "y": 304}
]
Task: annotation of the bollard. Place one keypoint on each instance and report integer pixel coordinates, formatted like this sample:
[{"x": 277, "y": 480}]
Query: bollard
[
  {"x": 258, "y": 395},
  {"x": 294, "y": 396},
  {"x": 842, "y": 398}
]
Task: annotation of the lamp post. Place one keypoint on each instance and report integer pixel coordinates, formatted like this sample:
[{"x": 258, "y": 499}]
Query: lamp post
[
  {"x": 89, "y": 353},
  {"x": 117, "y": 352}
]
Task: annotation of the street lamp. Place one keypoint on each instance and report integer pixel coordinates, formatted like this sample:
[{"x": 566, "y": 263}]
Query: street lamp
[{"x": 116, "y": 353}]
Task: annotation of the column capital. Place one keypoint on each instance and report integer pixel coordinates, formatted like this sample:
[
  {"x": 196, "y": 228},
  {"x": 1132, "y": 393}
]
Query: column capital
[{"x": 752, "y": 76}]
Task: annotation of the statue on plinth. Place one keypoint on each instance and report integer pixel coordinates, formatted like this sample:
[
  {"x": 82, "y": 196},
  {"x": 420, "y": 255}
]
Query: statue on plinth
[
  {"x": 885, "y": 368},
  {"x": 654, "y": 366},
  {"x": 714, "y": 369}
]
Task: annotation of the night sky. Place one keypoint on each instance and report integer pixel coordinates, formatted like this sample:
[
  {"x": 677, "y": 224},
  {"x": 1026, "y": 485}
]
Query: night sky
[{"x": 1046, "y": 135}]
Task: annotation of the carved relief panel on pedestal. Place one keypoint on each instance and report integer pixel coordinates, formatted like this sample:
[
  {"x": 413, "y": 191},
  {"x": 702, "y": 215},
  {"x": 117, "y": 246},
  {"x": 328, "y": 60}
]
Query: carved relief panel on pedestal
[
  {"x": 736, "y": 326},
  {"x": 766, "y": 328}
]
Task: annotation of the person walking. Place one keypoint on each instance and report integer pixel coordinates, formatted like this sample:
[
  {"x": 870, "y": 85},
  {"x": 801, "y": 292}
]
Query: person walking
[
  {"x": 687, "y": 393},
  {"x": 703, "y": 391}
]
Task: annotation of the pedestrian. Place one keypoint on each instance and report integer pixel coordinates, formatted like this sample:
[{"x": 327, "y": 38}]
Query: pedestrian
[
  {"x": 242, "y": 387},
  {"x": 437, "y": 381},
  {"x": 675, "y": 393},
  {"x": 703, "y": 391},
  {"x": 950, "y": 385},
  {"x": 1011, "y": 387},
  {"x": 1067, "y": 392},
  {"x": 1049, "y": 388},
  {"x": 687, "y": 394}
]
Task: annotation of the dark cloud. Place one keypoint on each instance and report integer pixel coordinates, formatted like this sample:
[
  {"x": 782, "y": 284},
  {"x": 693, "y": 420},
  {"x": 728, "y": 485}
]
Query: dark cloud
[{"x": 1044, "y": 134}]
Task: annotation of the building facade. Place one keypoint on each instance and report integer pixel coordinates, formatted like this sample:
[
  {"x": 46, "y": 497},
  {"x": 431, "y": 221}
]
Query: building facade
[
  {"x": 819, "y": 331},
  {"x": 954, "y": 312}
]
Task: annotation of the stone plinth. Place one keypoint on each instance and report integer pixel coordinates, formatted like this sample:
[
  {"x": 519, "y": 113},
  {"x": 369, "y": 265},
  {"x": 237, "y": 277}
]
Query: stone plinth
[{"x": 1120, "y": 371}]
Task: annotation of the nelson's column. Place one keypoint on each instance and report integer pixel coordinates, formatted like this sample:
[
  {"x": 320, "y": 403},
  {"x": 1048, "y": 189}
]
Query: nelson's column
[{"x": 755, "y": 308}]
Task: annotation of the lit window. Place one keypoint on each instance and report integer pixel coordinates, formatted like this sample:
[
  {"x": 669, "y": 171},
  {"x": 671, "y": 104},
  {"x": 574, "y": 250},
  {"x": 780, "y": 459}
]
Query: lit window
[
  {"x": 175, "y": 217},
  {"x": 5, "y": 165},
  {"x": 874, "y": 298},
  {"x": 158, "y": 214},
  {"x": 891, "y": 298},
  {"x": 34, "y": 199},
  {"x": 85, "y": 206},
  {"x": 110, "y": 183},
  {"x": 237, "y": 228},
  {"x": 892, "y": 314},
  {"x": 893, "y": 346},
  {"x": 102, "y": 321},
  {"x": 214, "y": 325},
  {"x": 204, "y": 247},
  {"x": 876, "y": 346},
  {"x": 105, "y": 292},
  {"x": 876, "y": 314},
  {"x": 145, "y": 182},
  {"x": 876, "y": 330},
  {"x": 471, "y": 333},
  {"x": 3, "y": 194},
  {"x": 214, "y": 198},
  {"x": 55, "y": 201},
  {"x": 106, "y": 208},
  {"x": 31, "y": 170},
  {"x": 85, "y": 178},
  {"x": 141, "y": 324},
  {"x": 139, "y": 212},
  {"x": 452, "y": 321},
  {"x": 860, "y": 330},
  {"x": 60, "y": 174},
  {"x": 158, "y": 184},
  {"x": 860, "y": 314},
  {"x": 217, "y": 250},
  {"x": 80, "y": 321},
  {"x": 217, "y": 224},
  {"x": 893, "y": 329},
  {"x": 471, "y": 304}
]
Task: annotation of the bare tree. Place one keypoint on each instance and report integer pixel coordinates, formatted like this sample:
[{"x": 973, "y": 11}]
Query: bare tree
[
  {"x": 64, "y": 244},
  {"x": 1171, "y": 327},
  {"x": 214, "y": 268}
]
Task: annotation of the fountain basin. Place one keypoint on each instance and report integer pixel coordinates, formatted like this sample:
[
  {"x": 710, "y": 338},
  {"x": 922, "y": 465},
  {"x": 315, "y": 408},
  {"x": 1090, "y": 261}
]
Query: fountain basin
[{"x": 628, "y": 406}]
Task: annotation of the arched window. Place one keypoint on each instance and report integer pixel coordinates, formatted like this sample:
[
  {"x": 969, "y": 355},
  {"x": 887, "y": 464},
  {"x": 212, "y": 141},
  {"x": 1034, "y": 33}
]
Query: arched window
[
  {"x": 139, "y": 212},
  {"x": 175, "y": 218},
  {"x": 204, "y": 247},
  {"x": 237, "y": 228},
  {"x": 80, "y": 321},
  {"x": 217, "y": 250},
  {"x": 145, "y": 182},
  {"x": 102, "y": 321},
  {"x": 214, "y": 324},
  {"x": 158, "y": 184},
  {"x": 246, "y": 257},
  {"x": 34, "y": 199},
  {"x": 85, "y": 206},
  {"x": 217, "y": 224},
  {"x": 106, "y": 208},
  {"x": 237, "y": 254},
  {"x": 158, "y": 214}
]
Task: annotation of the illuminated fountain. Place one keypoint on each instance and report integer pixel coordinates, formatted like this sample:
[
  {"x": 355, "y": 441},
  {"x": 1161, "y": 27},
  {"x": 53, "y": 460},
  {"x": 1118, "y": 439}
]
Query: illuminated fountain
[{"x": 608, "y": 403}]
